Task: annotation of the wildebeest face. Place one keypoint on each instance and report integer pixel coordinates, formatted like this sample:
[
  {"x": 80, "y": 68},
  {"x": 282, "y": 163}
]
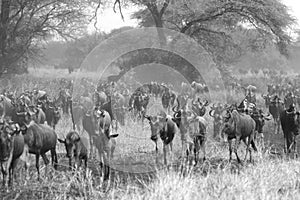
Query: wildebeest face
[
  {"x": 157, "y": 123},
  {"x": 69, "y": 145},
  {"x": 6, "y": 140},
  {"x": 297, "y": 123}
]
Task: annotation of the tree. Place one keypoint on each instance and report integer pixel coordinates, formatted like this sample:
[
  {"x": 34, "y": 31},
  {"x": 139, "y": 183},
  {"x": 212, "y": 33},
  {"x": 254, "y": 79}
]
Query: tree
[
  {"x": 221, "y": 26},
  {"x": 26, "y": 24}
]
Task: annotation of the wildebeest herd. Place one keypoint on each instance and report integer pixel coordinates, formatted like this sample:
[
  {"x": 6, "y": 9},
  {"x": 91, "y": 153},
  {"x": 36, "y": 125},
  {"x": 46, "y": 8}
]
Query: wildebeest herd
[{"x": 28, "y": 121}]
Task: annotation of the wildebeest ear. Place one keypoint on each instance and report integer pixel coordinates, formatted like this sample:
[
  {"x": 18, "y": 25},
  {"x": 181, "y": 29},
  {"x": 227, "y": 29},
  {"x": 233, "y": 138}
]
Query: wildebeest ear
[
  {"x": 77, "y": 139},
  {"x": 61, "y": 141},
  {"x": 114, "y": 135}
]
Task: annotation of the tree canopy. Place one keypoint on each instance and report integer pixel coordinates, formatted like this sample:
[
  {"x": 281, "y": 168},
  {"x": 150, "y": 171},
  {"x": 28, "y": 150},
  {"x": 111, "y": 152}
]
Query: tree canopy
[{"x": 26, "y": 24}]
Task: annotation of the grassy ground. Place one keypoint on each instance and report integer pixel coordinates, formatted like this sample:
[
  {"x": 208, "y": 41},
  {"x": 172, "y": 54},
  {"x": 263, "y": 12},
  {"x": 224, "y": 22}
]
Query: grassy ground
[{"x": 135, "y": 174}]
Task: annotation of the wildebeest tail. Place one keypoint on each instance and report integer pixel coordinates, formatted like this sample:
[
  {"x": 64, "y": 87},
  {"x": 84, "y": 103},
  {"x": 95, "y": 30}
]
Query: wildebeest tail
[
  {"x": 72, "y": 116},
  {"x": 253, "y": 145}
]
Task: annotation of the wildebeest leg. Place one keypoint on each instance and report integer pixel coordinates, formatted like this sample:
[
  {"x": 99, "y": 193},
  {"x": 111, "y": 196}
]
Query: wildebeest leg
[
  {"x": 230, "y": 149},
  {"x": 278, "y": 125},
  {"x": 46, "y": 161},
  {"x": 113, "y": 147},
  {"x": 236, "y": 147},
  {"x": 156, "y": 151},
  {"x": 54, "y": 158},
  {"x": 165, "y": 154},
  {"x": 295, "y": 148},
  {"x": 106, "y": 166},
  {"x": 202, "y": 145},
  {"x": 11, "y": 171},
  {"x": 91, "y": 145},
  {"x": 70, "y": 163},
  {"x": 37, "y": 165},
  {"x": 196, "y": 150},
  {"x": 4, "y": 174},
  {"x": 247, "y": 143}
]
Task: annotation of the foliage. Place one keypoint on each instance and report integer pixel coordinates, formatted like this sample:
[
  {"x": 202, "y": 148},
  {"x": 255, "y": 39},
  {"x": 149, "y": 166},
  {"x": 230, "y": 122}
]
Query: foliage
[
  {"x": 221, "y": 27},
  {"x": 25, "y": 25}
]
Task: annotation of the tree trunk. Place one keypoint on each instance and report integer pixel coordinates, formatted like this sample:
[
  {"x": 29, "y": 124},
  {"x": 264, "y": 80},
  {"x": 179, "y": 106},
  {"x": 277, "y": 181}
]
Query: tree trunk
[
  {"x": 4, "y": 17},
  {"x": 157, "y": 16}
]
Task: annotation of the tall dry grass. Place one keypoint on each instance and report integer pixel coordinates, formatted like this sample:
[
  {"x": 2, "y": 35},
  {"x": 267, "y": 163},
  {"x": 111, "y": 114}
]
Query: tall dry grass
[{"x": 135, "y": 174}]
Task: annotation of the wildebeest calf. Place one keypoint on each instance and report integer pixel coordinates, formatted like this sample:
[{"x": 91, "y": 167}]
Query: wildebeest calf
[
  {"x": 11, "y": 148},
  {"x": 39, "y": 139},
  {"x": 75, "y": 148}
]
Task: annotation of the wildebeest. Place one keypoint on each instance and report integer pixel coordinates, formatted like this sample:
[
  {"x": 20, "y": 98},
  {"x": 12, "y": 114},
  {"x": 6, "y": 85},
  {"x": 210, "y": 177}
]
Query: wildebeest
[
  {"x": 138, "y": 102},
  {"x": 289, "y": 99},
  {"x": 192, "y": 127},
  {"x": 239, "y": 126},
  {"x": 290, "y": 123},
  {"x": 163, "y": 126},
  {"x": 75, "y": 149},
  {"x": 259, "y": 118},
  {"x": 105, "y": 142},
  {"x": 39, "y": 139},
  {"x": 89, "y": 124},
  {"x": 199, "y": 108},
  {"x": 6, "y": 106},
  {"x": 11, "y": 148},
  {"x": 216, "y": 113},
  {"x": 197, "y": 131},
  {"x": 52, "y": 113},
  {"x": 64, "y": 100},
  {"x": 168, "y": 99},
  {"x": 275, "y": 108}
]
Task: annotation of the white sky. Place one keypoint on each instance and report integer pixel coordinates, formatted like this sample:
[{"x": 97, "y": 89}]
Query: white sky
[{"x": 109, "y": 20}]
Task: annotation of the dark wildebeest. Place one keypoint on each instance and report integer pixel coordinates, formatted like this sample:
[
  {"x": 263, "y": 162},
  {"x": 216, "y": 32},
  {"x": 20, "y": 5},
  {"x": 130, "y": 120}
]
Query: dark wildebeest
[
  {"x": 37, "y": 114},
  {"x": 52, "y": 113},
  {"x": 99, "y": 98},
  {"x": 290, "y": 123},
  {"x": 216, "y": 114},
  {"x": 199, "y": 108},
  {"x": 168, "y": 99},
  {"x": 138, "y": 102},
  {"x": 89, "y": 124},
  {"x": 275, "y": 108},
  {"x": 6, "y": 107},
  {"x": 239, "y": 126},
  {"x": 259, "y": 118},
  {"x": 11, "y": 148},
  {"x": 39, "y": 139},
  {"x": 289, "y": 99},
  {"x": 193, "y": 130},
  {"x": 75, "y": 148},
  {"x": 105, "y": 142},
  {"x": 164, "y": 126},
  {"x": 119, "y": 107},
  {"x": 64, "y": 100}
]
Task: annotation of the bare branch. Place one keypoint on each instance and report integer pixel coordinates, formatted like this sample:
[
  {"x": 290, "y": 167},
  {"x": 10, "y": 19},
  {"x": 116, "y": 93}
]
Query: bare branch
[{"x": 120, "y": 8}]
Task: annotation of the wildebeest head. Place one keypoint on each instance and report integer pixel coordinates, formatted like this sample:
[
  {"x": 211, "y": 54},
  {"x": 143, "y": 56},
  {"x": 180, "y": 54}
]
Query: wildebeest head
[
  {"x": 259, "y": 118},
  {"x": 199, "y": 107},
  {"x": 295, "y": 118},
  {"x": 7, "y": 130},
  {"x": 70, "y": 142},
  {"x": 157, "y": 123},
  {"x": 216, "y": 112}
]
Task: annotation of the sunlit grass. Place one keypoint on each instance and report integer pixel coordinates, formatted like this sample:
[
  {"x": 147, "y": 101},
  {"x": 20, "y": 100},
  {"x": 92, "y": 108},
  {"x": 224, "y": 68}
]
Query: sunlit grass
[{"x": 136, "y": 175}]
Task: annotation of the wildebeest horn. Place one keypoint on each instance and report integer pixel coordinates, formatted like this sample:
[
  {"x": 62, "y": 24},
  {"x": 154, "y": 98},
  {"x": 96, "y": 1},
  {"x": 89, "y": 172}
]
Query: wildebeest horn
[
  {"x": 21, "y": 113},
  {"x": 213, "y": 106},
  {"x": 210, "y": 113},
  {"x": 147, "y": 117},
  {"x": 178, "y": 106}
]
